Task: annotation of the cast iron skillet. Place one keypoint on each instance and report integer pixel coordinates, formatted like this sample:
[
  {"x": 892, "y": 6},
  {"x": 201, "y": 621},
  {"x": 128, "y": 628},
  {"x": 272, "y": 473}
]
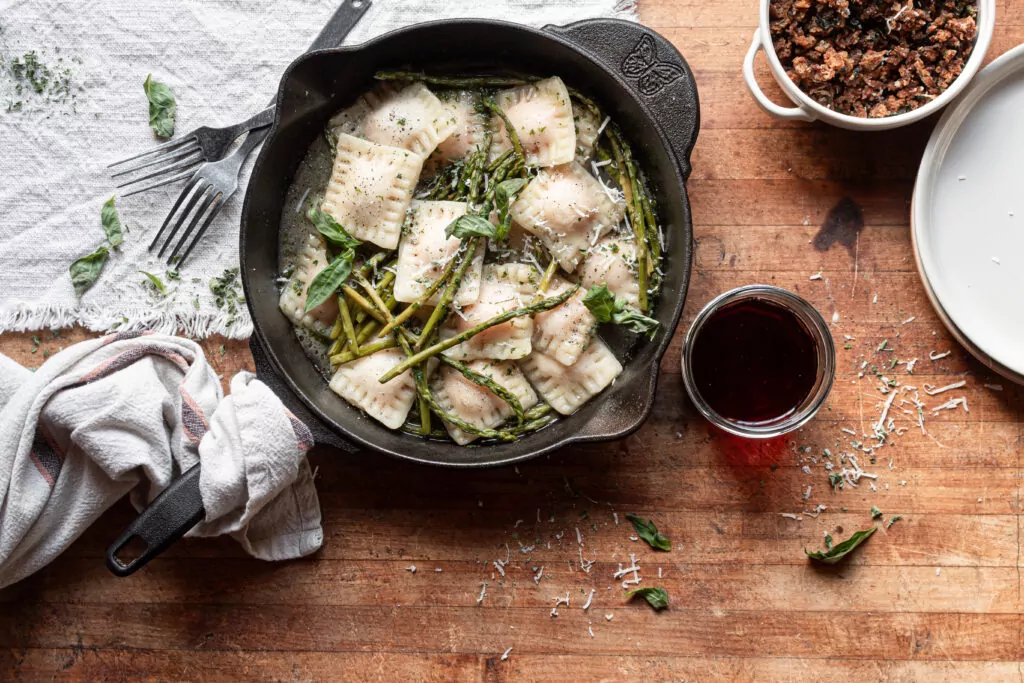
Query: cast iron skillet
[{"x": 635, "y": 75}]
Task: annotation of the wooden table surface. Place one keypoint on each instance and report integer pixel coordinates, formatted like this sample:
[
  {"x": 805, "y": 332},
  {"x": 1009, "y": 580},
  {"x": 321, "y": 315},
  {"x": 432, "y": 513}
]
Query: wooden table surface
[{"x": 935, "y": 597}]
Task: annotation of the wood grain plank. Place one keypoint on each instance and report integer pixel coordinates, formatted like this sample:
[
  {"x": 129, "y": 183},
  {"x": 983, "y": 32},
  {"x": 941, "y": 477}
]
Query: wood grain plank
[
  {"x": 415, "y": 536},
  {"x": 635, "y": 629},
  {"x": 783, "y": 588},
  {"x": 83, "y": 664}
]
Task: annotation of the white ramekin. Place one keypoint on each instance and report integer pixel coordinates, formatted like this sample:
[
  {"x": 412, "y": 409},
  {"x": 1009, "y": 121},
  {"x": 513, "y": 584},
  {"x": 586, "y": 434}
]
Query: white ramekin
[{"x": 807, "y": 109}]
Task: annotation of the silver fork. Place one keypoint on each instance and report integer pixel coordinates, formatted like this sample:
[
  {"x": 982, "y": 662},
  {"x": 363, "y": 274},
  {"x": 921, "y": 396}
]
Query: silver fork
[
  {"x": 179, "y": 158},
  {"x": 207, "y": 192}
]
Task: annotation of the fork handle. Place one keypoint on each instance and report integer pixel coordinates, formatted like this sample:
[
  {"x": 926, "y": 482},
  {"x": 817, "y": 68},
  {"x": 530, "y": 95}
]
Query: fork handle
[
  {"x": 341, "y": 22},
  {"x": 331, "y": 35}
]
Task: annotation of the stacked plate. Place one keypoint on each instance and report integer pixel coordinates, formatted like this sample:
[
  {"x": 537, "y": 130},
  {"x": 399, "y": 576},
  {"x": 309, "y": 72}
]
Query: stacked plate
[{"x": 967, "y": 218}]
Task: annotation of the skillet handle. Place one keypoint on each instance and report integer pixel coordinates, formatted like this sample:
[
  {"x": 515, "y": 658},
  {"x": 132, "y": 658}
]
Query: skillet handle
[
  {"x": 623, "y": 414},
  {"x": 652, "y": 68},
  {"x": 170, "y": 516}
]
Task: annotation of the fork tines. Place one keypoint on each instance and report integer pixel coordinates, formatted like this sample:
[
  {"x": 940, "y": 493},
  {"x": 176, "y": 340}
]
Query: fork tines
[
  {"x": 203, "y": 200},
  {"x": 170, "y": 162}
]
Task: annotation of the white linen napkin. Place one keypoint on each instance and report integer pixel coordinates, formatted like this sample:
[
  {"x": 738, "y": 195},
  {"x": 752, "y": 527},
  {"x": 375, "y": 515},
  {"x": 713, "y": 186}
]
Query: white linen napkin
[
  {"x": 127, "y": 413},
  {"x": 223, "y": 60}
]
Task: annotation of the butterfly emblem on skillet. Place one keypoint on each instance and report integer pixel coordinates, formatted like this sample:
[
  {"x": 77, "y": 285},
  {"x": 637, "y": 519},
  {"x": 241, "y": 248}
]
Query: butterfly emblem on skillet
[{"x": 642, "y": 62}]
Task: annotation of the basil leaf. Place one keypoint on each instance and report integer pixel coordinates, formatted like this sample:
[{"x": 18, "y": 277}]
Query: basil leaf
[
  {"x": 111, "y": 223},
  {"x": 601, "y": 303},
  {"x": 161, "y": 107},
  {"x": 655, "y": 596},
  {"x": 636, "y": 322},
  {"x": 504, "y": 194},
  {"x": 327, "y": 281},
  {"x": 836, "y": 553},
  {"x": 471, "y": 225},
  {"x": 86, "y": 270},
  {"x": 646, "y": 530},
  {"x": 157, "y": 282},
  {"x": 608, "y": 308},
  {"x": 332, "y": 231}
]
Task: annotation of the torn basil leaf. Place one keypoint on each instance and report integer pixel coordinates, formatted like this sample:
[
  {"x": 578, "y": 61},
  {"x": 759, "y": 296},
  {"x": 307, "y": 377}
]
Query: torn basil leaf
[
  {"x": 327, "y": 281},
  {"x": 504, "y": 194},
  {"x": 86, "y": 270},
  {"x": 157, "y": 282},
  {"x": 471, "y": 225},
  {"x": 111, "y": 223},
  {"x": 162, "y": 107},
  {"x": 875, "y": 512},
  {"x": 646, "y": 530},
  {"x": 337, "y": 236},
  {"x": 657, "y": 597},
  {"x": 835, "y": 553},
  {"x": 608, "y": 308}
]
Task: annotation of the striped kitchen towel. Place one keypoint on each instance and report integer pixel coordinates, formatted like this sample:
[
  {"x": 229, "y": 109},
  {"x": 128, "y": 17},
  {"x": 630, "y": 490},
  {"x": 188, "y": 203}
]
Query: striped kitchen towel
[{"x": 126, "y": 414}]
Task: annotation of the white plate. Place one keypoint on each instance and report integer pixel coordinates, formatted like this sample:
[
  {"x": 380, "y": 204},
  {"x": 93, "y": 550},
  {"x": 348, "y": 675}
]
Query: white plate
[{"x": 967, "y": 216}]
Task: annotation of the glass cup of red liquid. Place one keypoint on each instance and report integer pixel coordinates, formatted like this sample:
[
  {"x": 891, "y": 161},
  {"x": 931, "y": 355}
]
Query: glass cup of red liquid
[{"x": 758, "y": 361}]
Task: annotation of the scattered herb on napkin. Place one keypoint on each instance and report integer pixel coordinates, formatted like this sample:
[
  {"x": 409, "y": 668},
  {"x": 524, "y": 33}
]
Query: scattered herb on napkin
[
  {"x": 157, "y": 283},
  {"x": 608, "y": 308},
  {"x": 657, "y": 597},
  {"x": 225, "y": 293},
  {"x": 162, "y": 107},
  {"x": 111, "y": 223},
  {"x": 86, "y": 270},
  {"x": 646, "y": 530},
  {"x": 834, "y": 554}
]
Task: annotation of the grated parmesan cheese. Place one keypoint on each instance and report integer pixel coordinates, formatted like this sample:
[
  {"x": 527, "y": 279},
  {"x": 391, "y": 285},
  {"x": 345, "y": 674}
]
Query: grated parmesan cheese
[
  {"x": 504, "y": 655},
  {"x": 932, "y": 391},
  {"x": 590, "y": 598}
]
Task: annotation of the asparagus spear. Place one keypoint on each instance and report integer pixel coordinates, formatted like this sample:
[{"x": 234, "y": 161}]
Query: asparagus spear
[
  {"x": 517, "y": 146},
  {"x": 452, "y": 81},
  {"x": 411, "y": 309},
  {"x": 488, "y": 383},
  {"x": 365, "y": 350},
  {"x": 448, "y": 296},
  {"x": 346, "y": 323},
  {"x": 425, "y": 397},
  {"x": 415, "y": 359}
]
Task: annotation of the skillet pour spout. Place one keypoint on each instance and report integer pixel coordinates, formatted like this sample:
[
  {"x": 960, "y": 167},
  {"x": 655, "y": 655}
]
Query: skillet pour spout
[{"x": 637, "y": 77}]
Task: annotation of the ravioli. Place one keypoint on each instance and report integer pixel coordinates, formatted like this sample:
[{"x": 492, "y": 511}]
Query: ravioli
[
  {"x": 541, "y": 114},
  {"x": 389, "y": 403},
  {"x": 468, "y": 126},
  {"x": 567, "y": 388},
  {"x": 563, "y": 332},
  {"x": 425, "y": 251},
  {"x": 503, "y": 287},
  {"x": 478, "y": 405},
  {"x": 568, "y": 209},
  {"x": 410, "y": 118},
  {"x": 371, "y": 187},
  {"x": 587, "y": 126},
  {"x": 612, "y": 263},
  {"x": 312, "y": 259}
]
